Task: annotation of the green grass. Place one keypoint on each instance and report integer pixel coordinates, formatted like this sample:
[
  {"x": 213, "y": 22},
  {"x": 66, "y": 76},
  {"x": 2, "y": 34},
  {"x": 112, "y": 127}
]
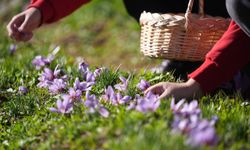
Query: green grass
[{"x": 104, "y": 35}]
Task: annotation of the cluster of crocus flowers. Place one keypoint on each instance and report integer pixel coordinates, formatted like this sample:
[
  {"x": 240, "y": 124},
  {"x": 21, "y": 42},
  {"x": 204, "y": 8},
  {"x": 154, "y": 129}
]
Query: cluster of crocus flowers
[
  {"x": 148, "y": 103},
  {"x": 123, "y": 85},
  {"x": 115, "y": 98},
  {"x": 53, "y": 80},
  {"x": 187, "y": 116},
  {"x": 63, "y": 107},
  {"x": 143, "y": 85},
  {"x": 56, "y": 83},
  {"x": 40, "y": 61},
  {"x": 188, "y": 121},
  {"x": 94, "y": 105}
]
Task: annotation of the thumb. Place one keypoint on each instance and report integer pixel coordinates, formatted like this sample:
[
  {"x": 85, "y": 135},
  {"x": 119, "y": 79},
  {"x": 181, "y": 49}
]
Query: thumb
[
  {"x": 165, "y": 94},
  {"x": 25, "y": 27}
]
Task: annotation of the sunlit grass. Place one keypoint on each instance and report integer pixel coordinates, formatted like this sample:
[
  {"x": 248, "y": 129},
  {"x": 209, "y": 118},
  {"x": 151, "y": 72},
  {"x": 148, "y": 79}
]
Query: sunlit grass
[{"x": 105, "y": 36}]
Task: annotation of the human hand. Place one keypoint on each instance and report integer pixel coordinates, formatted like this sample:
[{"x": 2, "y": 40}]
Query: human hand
[
  {"x": 21, "y": 26},
  {"x": 189, "y": 90}
]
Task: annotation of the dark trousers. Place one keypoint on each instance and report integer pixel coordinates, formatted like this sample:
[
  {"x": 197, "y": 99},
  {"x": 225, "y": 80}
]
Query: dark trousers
[
  {"x": 136, "y": 7},
  {"x": 239, "y": 11}
]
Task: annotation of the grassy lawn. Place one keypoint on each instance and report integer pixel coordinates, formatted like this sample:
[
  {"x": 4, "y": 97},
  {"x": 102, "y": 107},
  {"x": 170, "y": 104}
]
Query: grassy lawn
[{"x": 104, "y": 35}]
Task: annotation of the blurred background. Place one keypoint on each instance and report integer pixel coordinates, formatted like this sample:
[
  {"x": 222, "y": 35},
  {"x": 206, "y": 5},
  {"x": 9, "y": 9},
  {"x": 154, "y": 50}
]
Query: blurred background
[{"x": 100, "y": 32}]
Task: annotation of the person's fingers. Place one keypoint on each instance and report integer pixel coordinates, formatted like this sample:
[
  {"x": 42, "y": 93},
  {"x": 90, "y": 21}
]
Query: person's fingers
[
  {"x": 24, "y": 27},
  {"x": 165, "y": 94},
  {"x": 13, "y": 25},
  {"x": 157, "y": 89},
  {"x": 12, "y": 30}
]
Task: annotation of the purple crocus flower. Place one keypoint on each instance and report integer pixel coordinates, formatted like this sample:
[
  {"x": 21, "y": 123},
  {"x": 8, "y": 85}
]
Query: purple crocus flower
[
  {"x": 43, "y": 82},
  {"x": 190, "y": 109},
  {"x": 187, "y": 120},
  {"x": 22, "y": 89},
  {"x": 202, "y": 134},
  {"x": 91, "y": 102},
  {"x": 149, "y": 103},
  {"x": 48, "y": 76},
  {"x": 131, "y": 106},
  {"x": 184, "y": 125},
  {"x": 63, "y": 107},
  {"x": 12, "y": 49},
  {"x": 82, "y": 86},
  {"x": 214, "y": 120},
  {"x": 83, "y": 67},
  {"x": 90, "y": 77},
  {"x": 176, "y": 107},
  {"x": 40, "y": 61},
  {"x": 143, "y": 85},
  {"x": 57, "y": 86},
  {"x": 103, "y": 112},
  {"x": 93, "y": 105},
  {"x": 122, "y": 86},
  {"x": 185, "y": 109},
  {"x": 73, "y": 95},
  {"x": 122, "y": 99},
  {"x": 98, "y": 72},
  {"x": 51, "y": 75},
  {"x": 109, "y": 93},
  {"x": 117, "y": 99}
]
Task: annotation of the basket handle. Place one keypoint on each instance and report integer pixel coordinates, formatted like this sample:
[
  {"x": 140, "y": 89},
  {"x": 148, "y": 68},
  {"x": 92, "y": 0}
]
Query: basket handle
[{"x": 188, "y": 13}]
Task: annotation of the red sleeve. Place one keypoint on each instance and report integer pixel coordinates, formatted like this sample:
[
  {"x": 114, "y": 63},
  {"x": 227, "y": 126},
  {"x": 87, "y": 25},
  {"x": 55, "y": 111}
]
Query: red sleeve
[
  {"x": 229, "y": 55},
  {"x": 53, "y": 10}
]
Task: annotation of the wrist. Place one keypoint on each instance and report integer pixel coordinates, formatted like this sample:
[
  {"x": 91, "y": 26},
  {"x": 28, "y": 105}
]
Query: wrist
[
  {"x": 194, "y": 88},
  {"x": 37, "y": 15}
]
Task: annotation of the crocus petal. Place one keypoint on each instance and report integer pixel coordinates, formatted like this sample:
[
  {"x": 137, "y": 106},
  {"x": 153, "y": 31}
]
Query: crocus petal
[
  {"x": 12, "y": 48},
  {"x": 65, "y": 97},
  {"x": 69, "y": 108},
  {"x": 143, "y": 85},
  {"x": 193, "y": 105},
  {"x": 66, "y": 102},
  {"x": 59, "y": 103},
  {"x": 83, "y": 67},
  {"x": 156, "y": 105},
  {"x": 120, "y": 87},
  {"x": 50, "y": 58},
  {"x": 176, "y": 108},
  {"x": 90, "y": 77},
  {"x": 52, "y": 109},
  {"x": 131, "y": 106},
  {"x": 109, "y": 91},
  {"x": 201, "y": 137},
  {"x": 103, "y": 112},
  {"x": 98, "y": 72},
  {"x": 23, "y": 89},
  {"x": 124, "y": 80},
  {"x": 125, "y": 99}
]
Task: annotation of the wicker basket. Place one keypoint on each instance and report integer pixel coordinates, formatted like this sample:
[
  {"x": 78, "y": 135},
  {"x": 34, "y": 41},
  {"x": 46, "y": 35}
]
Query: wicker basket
[{"x": 180, "y": 36}]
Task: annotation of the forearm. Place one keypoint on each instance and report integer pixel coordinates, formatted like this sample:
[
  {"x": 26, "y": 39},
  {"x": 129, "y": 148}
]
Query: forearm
[
  {"x": 228, "y": 56},
  {"x": 53, "y": 10}
]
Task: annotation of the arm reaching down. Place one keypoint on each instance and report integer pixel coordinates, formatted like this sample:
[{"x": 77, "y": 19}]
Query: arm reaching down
[
  {"x": 21, "y": 26},
  {"x": 53, "y": 10},
  {"x": 227, "y": 57}
]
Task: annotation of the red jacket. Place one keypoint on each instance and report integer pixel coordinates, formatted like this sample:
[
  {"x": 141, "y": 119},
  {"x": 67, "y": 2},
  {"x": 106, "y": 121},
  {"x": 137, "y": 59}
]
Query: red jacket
[{"x": 227, "y": 57}]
